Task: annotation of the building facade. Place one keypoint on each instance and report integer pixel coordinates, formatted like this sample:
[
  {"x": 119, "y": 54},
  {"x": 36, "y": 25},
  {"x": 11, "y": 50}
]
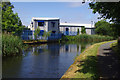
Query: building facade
[
  {"x": 45, "y": 24},
  {"x": 74, "y": 29},
  {"x": 57, "y": 28}
]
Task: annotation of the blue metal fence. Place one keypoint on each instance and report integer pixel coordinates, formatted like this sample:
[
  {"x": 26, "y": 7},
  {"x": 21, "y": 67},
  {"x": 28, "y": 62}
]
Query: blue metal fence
[
  {"x": 28, "y": 35},
  {"x": 69, "y": 33}
]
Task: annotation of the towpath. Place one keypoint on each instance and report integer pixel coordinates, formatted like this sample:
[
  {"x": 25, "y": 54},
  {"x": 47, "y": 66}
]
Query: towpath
[{"x": 108, "y": 63}]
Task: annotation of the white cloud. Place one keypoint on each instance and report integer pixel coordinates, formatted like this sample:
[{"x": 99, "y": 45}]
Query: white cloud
[{"x": 75, "y": 4}]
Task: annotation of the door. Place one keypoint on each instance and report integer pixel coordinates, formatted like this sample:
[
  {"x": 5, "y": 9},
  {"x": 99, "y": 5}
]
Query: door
[{"x": 67, "y": 31}]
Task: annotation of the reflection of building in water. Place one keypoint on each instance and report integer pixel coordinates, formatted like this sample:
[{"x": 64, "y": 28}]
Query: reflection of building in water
[
  {"x": 39, "y": 49},
  {"x": 51, "y": 62},
  {"x": 70, "y": 48},
  {"x": 54, "y": 49},
  {"x": 51, "y": 48},
  {"x": 45, "y": 63}
]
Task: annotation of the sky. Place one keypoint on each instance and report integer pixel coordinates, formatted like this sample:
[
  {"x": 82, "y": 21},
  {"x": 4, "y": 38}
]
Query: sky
[{"x": 70, "y": 12}]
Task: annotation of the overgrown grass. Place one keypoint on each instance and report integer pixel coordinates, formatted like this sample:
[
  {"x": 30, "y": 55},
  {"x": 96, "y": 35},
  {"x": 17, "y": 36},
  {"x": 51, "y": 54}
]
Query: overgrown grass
[
  {"x": 85, "y": 37},
  {"x": 116, "y": 48},
  {"x": 85, "y": 65},
  {"x": 11, "y": 45}
]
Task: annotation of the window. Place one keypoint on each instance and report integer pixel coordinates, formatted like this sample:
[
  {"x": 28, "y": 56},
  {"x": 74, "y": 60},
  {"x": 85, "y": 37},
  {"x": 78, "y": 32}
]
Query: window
[
  {"x": 40, "y": 23},
  {"x": 32, "y": 24},
  {"x": 53, "y": 24}
]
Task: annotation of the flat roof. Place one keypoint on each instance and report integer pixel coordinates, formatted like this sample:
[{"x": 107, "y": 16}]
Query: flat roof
[
  {"x": 76, "y": 25},
  {"x": 44, "y": 18}
]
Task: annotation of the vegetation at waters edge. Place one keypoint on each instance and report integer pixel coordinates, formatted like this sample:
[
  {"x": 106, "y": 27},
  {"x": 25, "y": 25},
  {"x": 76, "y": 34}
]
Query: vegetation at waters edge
[
  {"x": 11, "y": 45},
  {"x": 85, "y": 37},
  {"x": 85, "y": 65}
]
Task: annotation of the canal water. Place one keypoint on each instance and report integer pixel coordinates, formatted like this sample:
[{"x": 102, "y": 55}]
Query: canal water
[{"x": 42, "y": 61}]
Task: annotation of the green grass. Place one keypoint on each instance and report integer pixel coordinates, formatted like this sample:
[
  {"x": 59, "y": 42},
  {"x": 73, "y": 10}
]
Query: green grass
[
  {"x": 11, "y": 45},
  {"x": 85, "y": 37},
  {"x": 85, "y": 65}
]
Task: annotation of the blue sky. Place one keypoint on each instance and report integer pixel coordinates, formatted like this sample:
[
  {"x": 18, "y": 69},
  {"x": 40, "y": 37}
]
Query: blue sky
[{"x": 71, "y": 12}]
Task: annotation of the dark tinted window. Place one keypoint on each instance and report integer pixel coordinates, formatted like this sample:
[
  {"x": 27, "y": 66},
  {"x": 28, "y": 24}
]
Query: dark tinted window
[
  {"x": 40, "y": 23},
  {"x": 53, "y": 24}
]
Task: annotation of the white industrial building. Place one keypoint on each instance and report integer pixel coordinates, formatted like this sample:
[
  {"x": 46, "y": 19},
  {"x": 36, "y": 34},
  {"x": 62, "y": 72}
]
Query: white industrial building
[
  {"x": 71, "y": 29},
  {"x": 54, "y": 25},
  {"x": 45, "y": 24}
]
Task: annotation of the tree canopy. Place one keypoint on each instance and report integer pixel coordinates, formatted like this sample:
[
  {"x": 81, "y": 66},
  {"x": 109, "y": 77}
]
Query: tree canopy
[
  {"x": 83, "y": 30},
  {"x": 108, "y": 10},
  {"x": 10, "y": 20},
  {"x": 102, "y": 28},
  {"x": 37, "y": 32}
]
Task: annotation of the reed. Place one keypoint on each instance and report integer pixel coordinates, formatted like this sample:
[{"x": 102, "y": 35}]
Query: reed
[
  {"x": 88, "y": 38},
  {"x": 11, "y": 45}
]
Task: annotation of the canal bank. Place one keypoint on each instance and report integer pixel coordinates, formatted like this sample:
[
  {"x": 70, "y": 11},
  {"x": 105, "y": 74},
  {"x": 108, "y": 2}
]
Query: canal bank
[
  {"x": 85, "y": 65},
  {"x": 39, "y": 41}
]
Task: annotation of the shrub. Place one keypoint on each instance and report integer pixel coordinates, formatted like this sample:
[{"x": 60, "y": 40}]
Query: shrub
[
  {"x": 37, "y": 32},
  {"x": 11, "y": 45}
]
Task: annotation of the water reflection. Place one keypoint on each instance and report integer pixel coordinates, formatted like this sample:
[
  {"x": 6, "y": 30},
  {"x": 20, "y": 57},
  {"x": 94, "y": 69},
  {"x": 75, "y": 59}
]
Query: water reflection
[
  {"x": 43, "y": 61},
  {"x": 71, "y": 48}
]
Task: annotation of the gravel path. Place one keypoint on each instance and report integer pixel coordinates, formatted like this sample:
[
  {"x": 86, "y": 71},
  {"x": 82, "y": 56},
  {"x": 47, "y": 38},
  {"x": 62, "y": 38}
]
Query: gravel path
[{"x": 108, "y": 63}]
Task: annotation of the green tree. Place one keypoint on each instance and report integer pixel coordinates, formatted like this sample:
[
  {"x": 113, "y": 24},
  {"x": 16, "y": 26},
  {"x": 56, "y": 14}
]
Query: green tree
[
  {"x": 108, "y": 10},
  {"x": 46, "y": 34},
  {"x": 83, "y": 31},
  {"x": 36, "y": 33},
  {"x": 103, "y": 28},
  {"x": 0, "y": 17},
  {"x": 10, "y": 20},
  {"x": 78, "y": 31}
]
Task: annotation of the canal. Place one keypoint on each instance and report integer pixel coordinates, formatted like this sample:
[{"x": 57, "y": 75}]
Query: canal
[{"x": 42, "y": 61}]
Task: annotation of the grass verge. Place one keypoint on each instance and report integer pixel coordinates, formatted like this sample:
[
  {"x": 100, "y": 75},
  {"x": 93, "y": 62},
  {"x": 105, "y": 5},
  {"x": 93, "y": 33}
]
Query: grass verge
[
  {"x": 85, "y": 65},
  {"x": 116, "y": 48}
]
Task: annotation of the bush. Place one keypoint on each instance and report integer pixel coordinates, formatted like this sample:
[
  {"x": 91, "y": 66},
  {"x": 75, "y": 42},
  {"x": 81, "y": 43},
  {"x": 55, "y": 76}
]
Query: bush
[{"x": 11, "y": 45}]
